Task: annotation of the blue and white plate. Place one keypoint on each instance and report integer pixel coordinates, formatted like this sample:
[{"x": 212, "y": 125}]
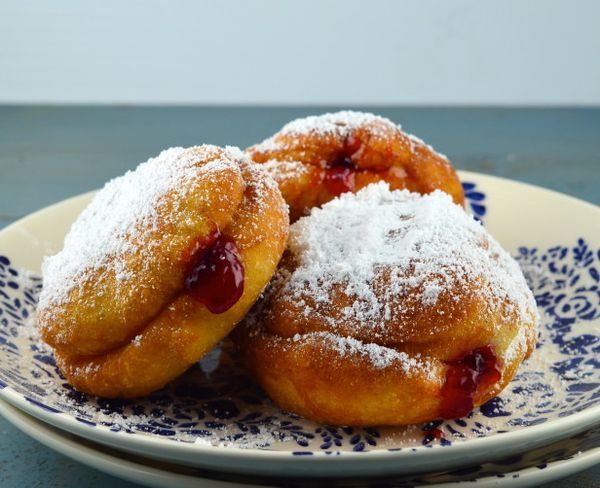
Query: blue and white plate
[
  {"x": 215, "y": 417},
  {"x": 542, "y": 465}
]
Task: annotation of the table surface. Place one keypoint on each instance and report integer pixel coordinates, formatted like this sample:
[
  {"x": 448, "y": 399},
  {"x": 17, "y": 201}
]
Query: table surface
[{"x": 50, "y": 153}]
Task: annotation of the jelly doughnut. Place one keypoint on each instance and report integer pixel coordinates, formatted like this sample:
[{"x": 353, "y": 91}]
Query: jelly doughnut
[
  {"x": 160, "y": 267},
  {"x": 318, "y": 158},
  {"x": 389, "y": 308}
]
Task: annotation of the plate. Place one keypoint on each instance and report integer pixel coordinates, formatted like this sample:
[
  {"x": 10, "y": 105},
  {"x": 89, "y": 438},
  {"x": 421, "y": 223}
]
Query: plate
[
  {"x": 215, "y": 417},
  {"x": 538, "y": 466}
]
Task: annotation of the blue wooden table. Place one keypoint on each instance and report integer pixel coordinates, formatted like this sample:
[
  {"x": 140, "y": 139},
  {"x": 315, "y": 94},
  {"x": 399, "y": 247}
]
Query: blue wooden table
[{"x": 50, "y": 153}]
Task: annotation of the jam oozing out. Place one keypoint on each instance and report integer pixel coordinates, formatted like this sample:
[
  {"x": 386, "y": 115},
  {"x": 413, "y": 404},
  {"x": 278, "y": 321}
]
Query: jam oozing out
[
  {"x": 351, "y": 145},
  {"x": 464, "y": 375},
  {"x": 434, "y": 434},
  {"x": 339, "y": 177},
  {"x": 216, "y": 273}
]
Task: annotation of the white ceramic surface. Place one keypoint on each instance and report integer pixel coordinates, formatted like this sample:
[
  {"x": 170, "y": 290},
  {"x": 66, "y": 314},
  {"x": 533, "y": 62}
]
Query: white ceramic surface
[
  {"x": 555, "y": 233},
  {"x": 540, "y": 466}
]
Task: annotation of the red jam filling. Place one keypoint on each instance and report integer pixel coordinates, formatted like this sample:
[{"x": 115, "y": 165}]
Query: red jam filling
[
  {"x": 339, "y": 177},
  {"x": 435, "y": 434},
  {"x": 216, "y": 273},
  {"x": 351, "y": 145},
  {"x": 464, "y": 375}
]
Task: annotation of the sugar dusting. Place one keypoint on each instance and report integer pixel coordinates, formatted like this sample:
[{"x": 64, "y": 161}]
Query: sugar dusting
[
  {"x": 339, "y": 124},
  {"x": 119, "y": 216},
  {"x": 284, "y": 171},
  {"x": 335, "y": 123},
  {"x": 423, "y": 244},
  {"x": 524, "y": 400},
  {"x": 524, "y": 396},
  {"x": 380, "y": 357}
]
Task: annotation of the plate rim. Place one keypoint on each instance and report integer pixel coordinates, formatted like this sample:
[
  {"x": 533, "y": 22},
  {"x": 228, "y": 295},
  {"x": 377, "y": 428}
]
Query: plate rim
[
  {"x": 57, "y": 442},
  {"x": 38, "y": 430},
  {"x": 573, "y": 422}
]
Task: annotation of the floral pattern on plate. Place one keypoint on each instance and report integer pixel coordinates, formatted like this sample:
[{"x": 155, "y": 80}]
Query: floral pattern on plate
[{"x": 216, "y": 403}]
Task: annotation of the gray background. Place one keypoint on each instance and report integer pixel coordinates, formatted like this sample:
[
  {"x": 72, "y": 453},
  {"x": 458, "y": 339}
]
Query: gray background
[{"x": 448, "y": 52}]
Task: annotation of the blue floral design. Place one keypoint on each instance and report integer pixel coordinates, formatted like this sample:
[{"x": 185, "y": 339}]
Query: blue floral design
[
  {"x": 217, "y": 401},
  {"x": 474, "y": 199}
]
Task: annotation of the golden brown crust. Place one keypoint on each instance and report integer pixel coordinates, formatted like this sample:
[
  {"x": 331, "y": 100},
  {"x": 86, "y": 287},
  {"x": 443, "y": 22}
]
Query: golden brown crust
[
  {"x": 299, "y": 156},
  {"x": 309, "y": 376},
  {"x": 148, "y": 349},
  {"x": 98, "y": 316},
  {"x": 364, "y": 331}
]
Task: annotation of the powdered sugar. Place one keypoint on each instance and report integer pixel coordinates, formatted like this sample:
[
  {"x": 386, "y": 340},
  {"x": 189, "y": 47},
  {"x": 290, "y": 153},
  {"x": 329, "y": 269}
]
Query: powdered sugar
[
  {"x": 379, "y": 357},
  {"x": 517, "y": 346},
  {"x": 380, "y": 244},
  {"x": 418, "y": 141},
  {"x": 334, "y": 123},
  {"x": 120, "y": 214},
  {"x": 285, "y": 170},
  {"x": 339, "y": 124},
  {"x": 258, "y": 438}
]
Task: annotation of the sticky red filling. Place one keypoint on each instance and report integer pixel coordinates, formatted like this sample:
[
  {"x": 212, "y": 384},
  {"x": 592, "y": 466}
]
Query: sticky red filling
[
  {"x": 339, "y": 176},
  {"x": 216, "y": 273},
  {"x": 435, "y": 434},
  {"x": 464, "y": 375}
]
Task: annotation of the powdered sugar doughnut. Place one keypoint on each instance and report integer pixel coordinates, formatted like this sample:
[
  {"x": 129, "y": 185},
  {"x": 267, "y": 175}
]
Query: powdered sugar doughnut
[
  {"x": 160, "y": 267},
  {"x": 317, "y": 158},
  {"x": 390, "y": 308}
]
